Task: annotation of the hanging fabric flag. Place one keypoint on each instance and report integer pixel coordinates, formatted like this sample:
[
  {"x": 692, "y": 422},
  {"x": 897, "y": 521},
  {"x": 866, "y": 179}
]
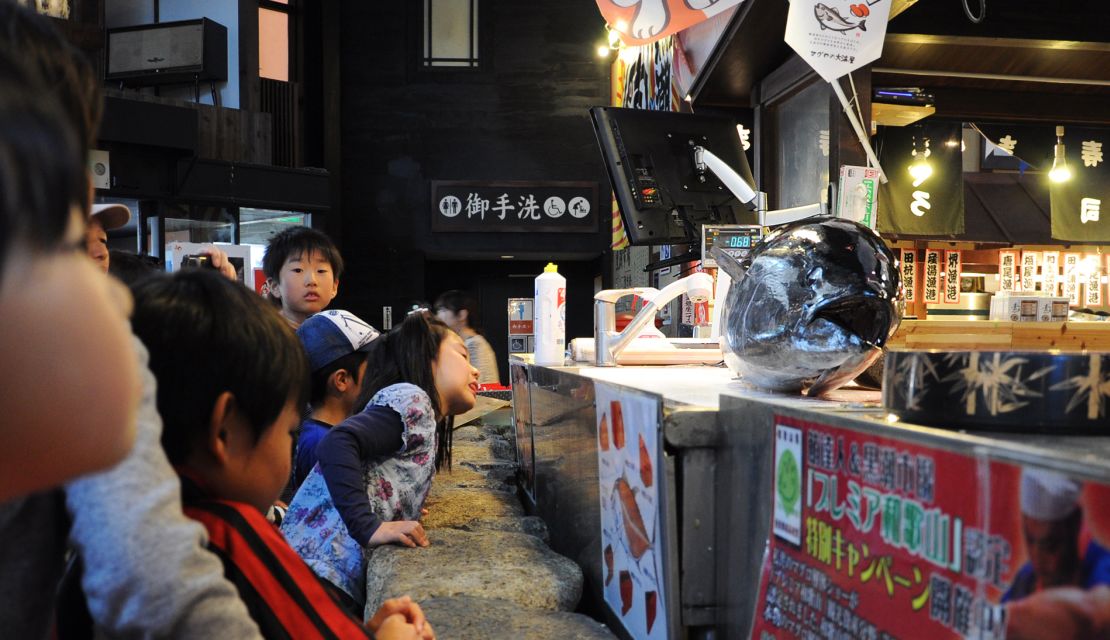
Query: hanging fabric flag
[
  {"x": 925, "y": 192},
  {"x": 909, "y": 274},
  {"x": 953, "y": 270},
  {"x": 1077, "y": 201},
  {"x": 1029, "y": 262},
  {"x": 932, "y": 276},
  {"x": 1007, "y": 267},
  {"x": 1071, "y": 277},
  {"x": 1094, "y": 281},
  {"x": 645, "y": 21},
  {"x": 1050, "y": 273}
]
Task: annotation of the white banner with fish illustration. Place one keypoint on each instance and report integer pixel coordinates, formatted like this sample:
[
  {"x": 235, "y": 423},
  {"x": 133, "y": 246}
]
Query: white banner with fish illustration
[
  {"x": 836, "y": 37},
  {"x": 629, "y": 461}
]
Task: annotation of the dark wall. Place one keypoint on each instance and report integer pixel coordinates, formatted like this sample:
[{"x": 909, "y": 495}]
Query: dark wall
[{"x": 522, "y": 116}]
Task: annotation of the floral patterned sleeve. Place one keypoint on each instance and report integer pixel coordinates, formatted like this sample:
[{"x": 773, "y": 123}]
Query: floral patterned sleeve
[
  {"x": 397, "y": 485},
  {"x": 343, "y": 453}
]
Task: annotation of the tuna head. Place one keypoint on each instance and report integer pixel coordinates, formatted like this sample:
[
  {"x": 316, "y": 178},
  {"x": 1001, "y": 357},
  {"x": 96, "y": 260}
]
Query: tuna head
[{"x": 818, "y": 299}]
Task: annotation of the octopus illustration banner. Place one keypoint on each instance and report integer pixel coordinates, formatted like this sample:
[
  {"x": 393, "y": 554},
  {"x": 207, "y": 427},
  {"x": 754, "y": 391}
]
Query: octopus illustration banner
[{"x": 645, "y": 21}]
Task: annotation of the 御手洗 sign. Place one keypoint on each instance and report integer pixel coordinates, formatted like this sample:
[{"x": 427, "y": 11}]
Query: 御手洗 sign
[
  {"x": 876, "y": 536},
  {"x": 837, "y": 37},
  {"x": 493, "y": 207}
]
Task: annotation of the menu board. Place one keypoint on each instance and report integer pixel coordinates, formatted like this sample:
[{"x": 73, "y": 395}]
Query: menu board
[{"x": 877, "y": 537}]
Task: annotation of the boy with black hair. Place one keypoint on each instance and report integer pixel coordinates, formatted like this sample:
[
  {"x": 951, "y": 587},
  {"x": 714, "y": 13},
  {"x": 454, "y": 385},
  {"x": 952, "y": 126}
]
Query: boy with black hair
[
  {"x": 302, "y": 268},
  {"x": 230, "y": 392},
  {"x": 336, "y": 343}
]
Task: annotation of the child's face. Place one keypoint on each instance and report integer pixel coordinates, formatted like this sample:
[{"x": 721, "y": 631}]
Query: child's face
[
  {"x": 456, "y": 380},
  {"x": 255, "y": 472},
  {"x": 306, "y": 285},
  {"x": 70, "y": 371},
  {"x": 96, "y": 244}
]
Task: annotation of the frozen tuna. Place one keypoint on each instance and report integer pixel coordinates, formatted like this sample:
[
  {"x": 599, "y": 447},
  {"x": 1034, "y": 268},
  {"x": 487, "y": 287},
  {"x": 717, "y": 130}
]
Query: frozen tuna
[{"x": 815, "y": 300}]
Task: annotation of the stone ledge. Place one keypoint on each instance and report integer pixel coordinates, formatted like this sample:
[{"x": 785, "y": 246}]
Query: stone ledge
[
  {"x": 515, "y": 567},
  {"x": 454, "y": 506},
  {"x": 471, "y": 618}
]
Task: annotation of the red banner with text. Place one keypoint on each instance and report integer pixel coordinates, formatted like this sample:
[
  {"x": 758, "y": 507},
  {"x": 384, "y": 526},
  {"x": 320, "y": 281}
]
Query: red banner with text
[{"x": 873, "y": 537}]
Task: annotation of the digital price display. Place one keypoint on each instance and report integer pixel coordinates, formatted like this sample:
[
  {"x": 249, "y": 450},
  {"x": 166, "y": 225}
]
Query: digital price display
[{"x": 735, "y": 239}]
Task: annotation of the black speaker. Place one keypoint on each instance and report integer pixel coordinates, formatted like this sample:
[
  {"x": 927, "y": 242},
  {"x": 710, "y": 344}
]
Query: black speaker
[{"x": 167, "y": 52}]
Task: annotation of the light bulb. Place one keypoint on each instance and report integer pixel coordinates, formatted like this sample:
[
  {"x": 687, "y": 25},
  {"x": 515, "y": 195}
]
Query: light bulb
[
  {"x": 603, "y": 51},
  {"x": 920, "y": 171},
  {"x": 614, "y": 39},
  {"x": 1059, "y": 171}
]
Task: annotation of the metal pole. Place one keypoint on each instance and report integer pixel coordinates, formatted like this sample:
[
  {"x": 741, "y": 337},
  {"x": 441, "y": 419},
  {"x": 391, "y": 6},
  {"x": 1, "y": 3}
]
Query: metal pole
[{"x": 864, "y": 139}]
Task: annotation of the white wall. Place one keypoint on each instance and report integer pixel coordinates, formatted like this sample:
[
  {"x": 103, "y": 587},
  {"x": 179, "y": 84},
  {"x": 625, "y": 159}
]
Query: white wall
[{"x": 123, "y": 13}]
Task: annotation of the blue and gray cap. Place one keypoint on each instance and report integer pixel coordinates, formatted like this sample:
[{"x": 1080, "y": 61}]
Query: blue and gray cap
[{"x": 329, "y": 335}]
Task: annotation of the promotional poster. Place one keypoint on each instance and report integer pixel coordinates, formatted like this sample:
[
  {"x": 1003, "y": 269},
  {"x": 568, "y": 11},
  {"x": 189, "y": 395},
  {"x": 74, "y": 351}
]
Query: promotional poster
[
  {"x": 629, "y": 473},
  {"x": 906, "y": 541}
]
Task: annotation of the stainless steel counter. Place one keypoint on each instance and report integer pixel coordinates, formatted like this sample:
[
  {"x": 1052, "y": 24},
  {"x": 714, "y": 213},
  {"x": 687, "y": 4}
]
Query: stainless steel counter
[{"x": 718, "y": 436}]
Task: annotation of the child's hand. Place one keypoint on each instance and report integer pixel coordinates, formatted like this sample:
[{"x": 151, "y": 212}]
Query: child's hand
[
  {"x": 407, "y": 532},
  {"x": 423, "y": 512},
  {"x": 401, "y": 609}
]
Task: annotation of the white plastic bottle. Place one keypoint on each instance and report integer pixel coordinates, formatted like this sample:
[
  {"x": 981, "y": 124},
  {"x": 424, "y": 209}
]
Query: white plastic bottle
[{"x": 551, "y": 317}]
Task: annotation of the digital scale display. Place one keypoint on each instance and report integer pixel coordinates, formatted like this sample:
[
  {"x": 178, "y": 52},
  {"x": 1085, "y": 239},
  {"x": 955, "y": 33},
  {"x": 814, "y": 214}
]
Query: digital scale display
[{"x": 735, "y": 239}]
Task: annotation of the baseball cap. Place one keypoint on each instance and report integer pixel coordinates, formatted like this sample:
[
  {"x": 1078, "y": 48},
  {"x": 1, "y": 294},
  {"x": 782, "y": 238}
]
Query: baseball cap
[
  {"x": 332, "y": 334},
  {"x": 111, "y": 215}
]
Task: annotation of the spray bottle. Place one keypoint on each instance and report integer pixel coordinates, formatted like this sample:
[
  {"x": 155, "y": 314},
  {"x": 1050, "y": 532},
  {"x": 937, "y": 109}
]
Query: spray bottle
[{"x": 551, "y": 317}]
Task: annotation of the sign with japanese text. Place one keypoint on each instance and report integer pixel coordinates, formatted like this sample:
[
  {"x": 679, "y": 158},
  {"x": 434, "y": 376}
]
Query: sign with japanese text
[
  {"x": 909, "y": 274},
  {"x": 630, "y": 464},
  {"x": 932, "y": 276},
  {"x": 1077, "y": 202},
  {"x": 1029, "y": 262},
  {"x": 520, "y": 316},
  {"x": 902, "y": 540},
  {"x": 953, "y": 269},
  {"x": 924, "y": 194},
  {"x": 836, "y": 37},
  {"x": 1071, "y": 277},
  {"x": 1050, "y": 272},
  {"x": 1094, "y": 285},
  {"x": 495, "y": 207},
  {"x": 1007, "y": 268}
]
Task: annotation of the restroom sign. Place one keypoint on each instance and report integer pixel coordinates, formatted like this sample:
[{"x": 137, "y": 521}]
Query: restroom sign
[{"x": 494, "y": 207}]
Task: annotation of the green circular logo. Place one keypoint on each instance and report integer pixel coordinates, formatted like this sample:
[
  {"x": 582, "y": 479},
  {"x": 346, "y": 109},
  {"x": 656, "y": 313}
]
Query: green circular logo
[{"x": 789, "y": 482}]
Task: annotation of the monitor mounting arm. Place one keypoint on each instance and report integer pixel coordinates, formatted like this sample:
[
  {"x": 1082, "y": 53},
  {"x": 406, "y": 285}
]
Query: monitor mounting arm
[{"x": 757, "y": 200}]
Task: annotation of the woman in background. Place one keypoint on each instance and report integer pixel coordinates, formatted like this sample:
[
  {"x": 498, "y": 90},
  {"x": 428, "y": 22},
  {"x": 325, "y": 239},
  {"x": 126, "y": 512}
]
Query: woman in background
[{"x": 458, "y": 310}]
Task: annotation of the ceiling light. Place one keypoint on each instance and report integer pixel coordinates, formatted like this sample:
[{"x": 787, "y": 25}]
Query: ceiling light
[{"x": 1060, "y": 171}]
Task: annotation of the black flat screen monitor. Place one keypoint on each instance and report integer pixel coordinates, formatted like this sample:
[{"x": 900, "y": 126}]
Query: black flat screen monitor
[{"x": 663, "y": 198}]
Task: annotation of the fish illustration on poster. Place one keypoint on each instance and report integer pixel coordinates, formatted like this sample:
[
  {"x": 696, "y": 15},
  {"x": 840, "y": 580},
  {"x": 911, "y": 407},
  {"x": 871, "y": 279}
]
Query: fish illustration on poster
[
  {"x": 836, "y": 37},
  {"x": 629, "y": 472}
]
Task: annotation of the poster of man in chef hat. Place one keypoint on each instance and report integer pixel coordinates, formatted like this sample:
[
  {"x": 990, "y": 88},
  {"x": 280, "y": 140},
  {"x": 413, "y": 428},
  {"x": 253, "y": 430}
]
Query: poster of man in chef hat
[{"x": 1061, "y": 553}]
